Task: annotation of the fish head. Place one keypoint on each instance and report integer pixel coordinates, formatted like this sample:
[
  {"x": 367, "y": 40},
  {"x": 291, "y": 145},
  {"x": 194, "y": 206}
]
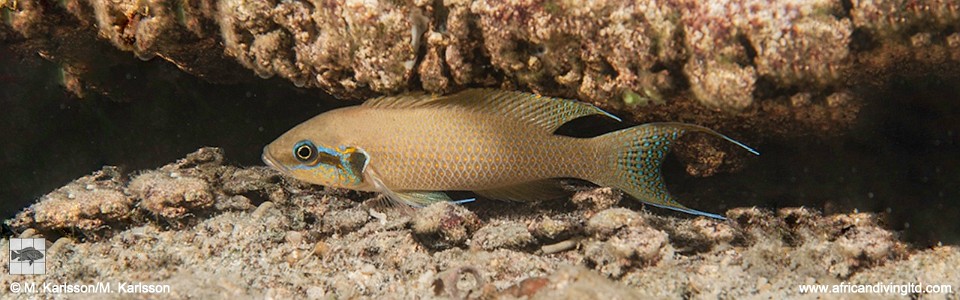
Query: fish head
[{"x": 318, "y": 151}]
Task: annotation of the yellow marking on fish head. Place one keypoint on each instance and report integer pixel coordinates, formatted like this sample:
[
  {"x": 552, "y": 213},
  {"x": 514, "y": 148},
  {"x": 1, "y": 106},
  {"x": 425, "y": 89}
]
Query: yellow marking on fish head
[{"x": 317, "y": 151}]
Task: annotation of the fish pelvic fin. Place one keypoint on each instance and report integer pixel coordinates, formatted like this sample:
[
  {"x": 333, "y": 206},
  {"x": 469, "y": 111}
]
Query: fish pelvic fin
[
  {"x": 419, "y": 198},
  {"x": 638, "y": 152},
  {"x": 407, "y": 201}
]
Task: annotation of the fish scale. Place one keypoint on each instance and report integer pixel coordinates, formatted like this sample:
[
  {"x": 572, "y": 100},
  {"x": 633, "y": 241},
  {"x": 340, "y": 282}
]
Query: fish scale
[
  {"x": 498, "y": 144},
  {"x": 500, "y": 150}
]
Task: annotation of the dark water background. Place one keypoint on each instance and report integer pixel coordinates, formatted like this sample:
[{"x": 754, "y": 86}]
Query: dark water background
[
  {"x": 901, "y": 159},
  {"x": 50, "y": 137}
]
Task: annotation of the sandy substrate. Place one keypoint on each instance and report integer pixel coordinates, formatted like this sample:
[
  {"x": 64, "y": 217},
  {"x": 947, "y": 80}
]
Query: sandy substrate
[{"x": 211, "y": 230}]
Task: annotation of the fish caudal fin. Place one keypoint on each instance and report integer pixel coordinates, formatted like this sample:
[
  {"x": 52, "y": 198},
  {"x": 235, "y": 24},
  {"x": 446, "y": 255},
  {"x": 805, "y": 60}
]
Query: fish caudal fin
[{"x": 634, "y": 164}]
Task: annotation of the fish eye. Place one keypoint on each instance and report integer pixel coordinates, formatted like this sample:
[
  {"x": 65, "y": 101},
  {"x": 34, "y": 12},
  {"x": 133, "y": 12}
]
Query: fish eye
[{"x": 305, "y": 151}]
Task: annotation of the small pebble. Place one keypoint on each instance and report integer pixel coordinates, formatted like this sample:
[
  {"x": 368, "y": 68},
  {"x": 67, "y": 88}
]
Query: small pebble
[
  {"x": 293, "y": 237},
  {"x": 320, "y": 249},
  {"x": 263, "y": 209}
]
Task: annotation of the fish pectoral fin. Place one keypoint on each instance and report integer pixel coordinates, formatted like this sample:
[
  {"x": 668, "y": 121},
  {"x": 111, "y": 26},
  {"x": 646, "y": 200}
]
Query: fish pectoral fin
[{"x": 547, "y": 189}]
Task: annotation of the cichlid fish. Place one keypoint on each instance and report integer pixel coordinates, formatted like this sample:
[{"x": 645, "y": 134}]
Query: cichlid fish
[
  {"x": 29, "y": 254},
  {"x": 498, "y": 144}
]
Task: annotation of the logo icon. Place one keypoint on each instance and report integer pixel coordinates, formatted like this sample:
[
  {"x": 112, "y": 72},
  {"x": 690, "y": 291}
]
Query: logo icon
[{"x": 27, "y": 256}]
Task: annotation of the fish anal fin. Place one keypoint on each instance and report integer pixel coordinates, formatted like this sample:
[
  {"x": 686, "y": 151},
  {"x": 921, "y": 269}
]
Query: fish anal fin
[{"x": 527, "y": 192}]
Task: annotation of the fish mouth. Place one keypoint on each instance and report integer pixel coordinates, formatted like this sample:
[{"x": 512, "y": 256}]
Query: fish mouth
[{"x": 271, "y": 162}]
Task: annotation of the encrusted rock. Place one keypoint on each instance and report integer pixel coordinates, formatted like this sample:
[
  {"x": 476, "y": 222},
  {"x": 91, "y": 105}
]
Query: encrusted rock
[
  {"x": 510, "y": 235},
  {"x": 629, "y": 247},
  {"x": 608, "y": 222},
  {"x": 171, "y": 197},
  {"x": 346, "y": 220},
  {"x": 443, "y": 225},
  {"x": 597, "y": 199},
  {"x": 87, "y": 204},
  {"x": 549, "y": 228}
]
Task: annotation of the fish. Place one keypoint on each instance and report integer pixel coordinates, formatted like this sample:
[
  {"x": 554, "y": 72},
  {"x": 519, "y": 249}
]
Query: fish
[
  {"x": 29, "y": 254},
  {"x": 415, "y": 147}
]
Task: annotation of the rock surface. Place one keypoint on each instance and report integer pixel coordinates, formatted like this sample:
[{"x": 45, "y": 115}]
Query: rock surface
[
  {"x": 726, "y": 55},
  {"x": 266, "y": 235}
]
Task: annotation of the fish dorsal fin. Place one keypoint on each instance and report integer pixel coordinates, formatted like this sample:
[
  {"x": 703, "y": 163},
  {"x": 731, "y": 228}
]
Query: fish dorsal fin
[
  {"x": 547, "y": 189},
  {"x": 407, "y": 100},
  {"x": 545, "y": 112}
]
